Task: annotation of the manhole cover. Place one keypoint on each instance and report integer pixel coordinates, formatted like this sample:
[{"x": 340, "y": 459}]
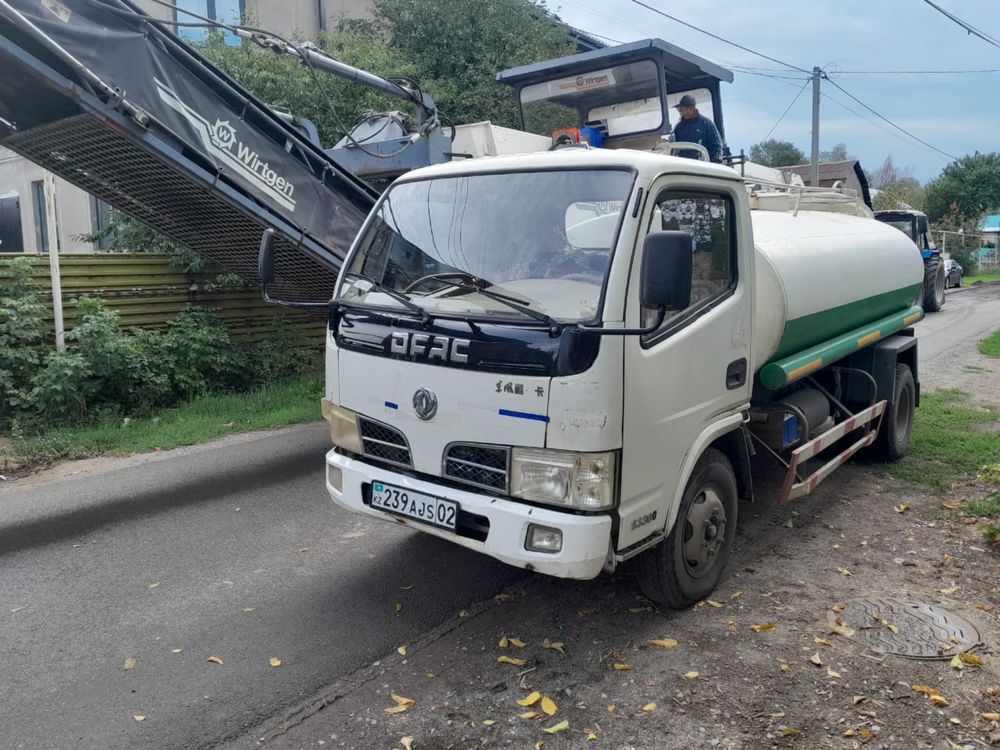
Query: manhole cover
[{"x": 920, "y": 631}]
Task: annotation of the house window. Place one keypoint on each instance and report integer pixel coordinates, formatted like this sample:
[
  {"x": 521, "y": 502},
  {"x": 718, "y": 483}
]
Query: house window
[
  {"x": 41, "y": 218},
  {"x": 100, "y": 216},
  {"x": 227, "y": 11}
]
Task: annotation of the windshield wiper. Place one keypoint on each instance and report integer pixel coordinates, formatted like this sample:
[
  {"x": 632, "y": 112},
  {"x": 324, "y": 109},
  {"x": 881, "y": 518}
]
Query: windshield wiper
[
  {"x": 475, "y": 284},
  {"x": 395, "y": 294}
]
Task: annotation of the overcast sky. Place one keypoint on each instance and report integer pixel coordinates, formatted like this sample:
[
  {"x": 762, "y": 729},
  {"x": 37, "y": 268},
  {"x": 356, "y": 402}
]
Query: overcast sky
[{"x": 958, "y": 114}]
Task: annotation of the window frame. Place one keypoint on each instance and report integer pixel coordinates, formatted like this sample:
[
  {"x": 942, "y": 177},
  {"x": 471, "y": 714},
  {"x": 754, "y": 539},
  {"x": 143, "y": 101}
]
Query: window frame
[
  {"x": 693, "y": 312},
  {"x": 40, "y": 216}
]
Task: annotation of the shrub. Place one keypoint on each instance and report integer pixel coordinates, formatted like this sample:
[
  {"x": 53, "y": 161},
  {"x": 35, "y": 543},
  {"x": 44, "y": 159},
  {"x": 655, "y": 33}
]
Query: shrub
[
  {"x": 22, "y": 330},
  {"x": 198, "y": 355}
]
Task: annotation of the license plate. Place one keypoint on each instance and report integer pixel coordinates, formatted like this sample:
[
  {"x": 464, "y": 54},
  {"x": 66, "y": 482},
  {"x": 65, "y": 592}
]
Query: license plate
[{"x": 416, "y": 505}]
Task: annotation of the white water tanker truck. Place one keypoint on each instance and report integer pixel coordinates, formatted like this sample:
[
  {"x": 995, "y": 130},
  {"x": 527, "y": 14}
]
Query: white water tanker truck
[{"x": 566, "y": 359}]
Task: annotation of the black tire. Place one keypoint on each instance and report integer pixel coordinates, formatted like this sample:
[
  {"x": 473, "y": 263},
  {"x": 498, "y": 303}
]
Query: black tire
[
  {"x": 897, "y": 424},
  {"x": 675, "y": 573},
  {"x": 934, "y": 284}
]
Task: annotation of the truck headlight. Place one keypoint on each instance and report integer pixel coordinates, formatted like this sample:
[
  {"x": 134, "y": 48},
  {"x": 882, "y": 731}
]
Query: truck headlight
[
  {"x": 344, "y": 430},
  {"x": 574, "y": 480}
]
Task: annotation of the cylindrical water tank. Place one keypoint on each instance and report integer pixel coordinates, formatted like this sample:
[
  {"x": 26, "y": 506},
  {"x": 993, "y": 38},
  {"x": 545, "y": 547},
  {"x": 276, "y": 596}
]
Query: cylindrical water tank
[{"x": 822, "y": 274}]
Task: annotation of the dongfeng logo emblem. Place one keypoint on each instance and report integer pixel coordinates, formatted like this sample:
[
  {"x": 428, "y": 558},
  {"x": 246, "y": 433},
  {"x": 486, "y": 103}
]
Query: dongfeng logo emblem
[{"x": 425, "y": 404}]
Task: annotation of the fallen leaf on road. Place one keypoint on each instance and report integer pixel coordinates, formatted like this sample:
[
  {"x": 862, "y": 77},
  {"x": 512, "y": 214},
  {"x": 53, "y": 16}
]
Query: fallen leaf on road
[
  {"x": 517, "y": 643},
  {"x": 649, "y": 707},
  {"x": 585, "y": 612},
  {"x": 463, "y": 614},
  {"x": 957, "y": 663},
  {"x": 663, "y": 643},
  {"x": 736, "y": 595},
  {"x": 511, "y": 660},
  {"x": 303, "y": 549},
  {"x": 902, "y": 508},
  {"x": 840, "y": 628},
  {"x": 849, "y": 732},
  {"x": 530, "y": 715},
  {"x": 399, "y": 608},
  {"x": 401, "y": 650},
  {"x": 762, "y": 628},
  {"x": 530, "y": 700},
  {"x": 548, "y": 706},
  {"x": 822, "y": 642},
  {"x": 175, "y": 650},
  {"x": 401, "y": 704},
  {"x": 406, "y": 742},
  {"x": 951, "y": 506},
  {"x": 844, "y": 571},
  {"x": 539, "y": 745},
  {"x": 620, "y": 667},
  {"x": 554, "y": 645},
  {"x": 503, "y": 642},
  {"x": 939, "y": 700},
  {"x": 248, "y": 609},
  {"x": 503, "y": 597},
  {"x": 857, "y": 699},
  {"x": 955, "y": 720},
  {"x": 138, "y": 717},
  {"x": 816, "y": 660},
  {"x": 948, "y": 591},
  {"x": 990, "y": 716},
  {"x": 154, "y": 585},
  {"x": 612, "y": 708},
  {"x": 562, "y": 726},
  {"x": 489, "y": 722},
  {"x": 838, "y": 607},
  {"x": 777, "y": 715},
  {"x": 832, "y": 673},
  {"x": 214, "y": 660},
  {"x": 274, "y": 661},
  {"x": 591, "y": 735},
  {"x": 129, "y": 663},
  {"x": 928, "y": 691},
  {"x": 789, "y": 732},
  {"x": 784, "y": 668},
  {"x": 712, "y": 603},
  {"x": 406, "y": 588},
  {"x": 692, "y": 675},
  {"x": 972, "y": 659}
]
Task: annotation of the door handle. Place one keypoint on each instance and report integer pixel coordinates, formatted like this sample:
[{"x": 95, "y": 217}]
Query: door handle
[{"x": 736, "y": 374}]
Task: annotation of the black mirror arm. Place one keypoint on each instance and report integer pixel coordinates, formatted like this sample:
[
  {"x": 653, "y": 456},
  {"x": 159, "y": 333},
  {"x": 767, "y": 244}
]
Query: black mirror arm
[
  {"x": 293, "y": 305},
  {"x": 661, "y": 315}
]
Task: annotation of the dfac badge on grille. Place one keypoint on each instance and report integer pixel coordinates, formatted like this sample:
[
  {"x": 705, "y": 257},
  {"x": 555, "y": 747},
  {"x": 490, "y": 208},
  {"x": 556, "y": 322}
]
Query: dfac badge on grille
[{"x": 425, "y": 403}]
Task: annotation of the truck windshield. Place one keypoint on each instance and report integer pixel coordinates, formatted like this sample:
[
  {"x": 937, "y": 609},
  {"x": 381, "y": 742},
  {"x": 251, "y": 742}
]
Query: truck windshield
[{"x": 472, "y": 244}]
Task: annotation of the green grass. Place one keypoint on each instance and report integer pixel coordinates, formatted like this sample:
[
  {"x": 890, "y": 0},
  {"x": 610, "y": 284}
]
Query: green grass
[
  {"x": 984, "y": 277},
  {"x": 991, "y": 346},
  {"x": 951, "y": 441},
  {"x": 197, "y": 421}
]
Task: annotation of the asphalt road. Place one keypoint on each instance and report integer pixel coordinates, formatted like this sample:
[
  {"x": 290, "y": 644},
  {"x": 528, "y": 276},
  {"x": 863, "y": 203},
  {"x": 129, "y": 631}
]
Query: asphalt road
[{"x": 155, "y": 563}]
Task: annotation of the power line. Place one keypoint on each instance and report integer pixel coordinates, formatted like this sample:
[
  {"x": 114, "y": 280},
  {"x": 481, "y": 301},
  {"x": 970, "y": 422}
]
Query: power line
[
  {"x": 916, "y": 72},
  {"x": 721, "y": 39},
  {"x": 890, "y": 122},
  {"x": 787, "y": 110},
  {"x": 965, "y": 25}
]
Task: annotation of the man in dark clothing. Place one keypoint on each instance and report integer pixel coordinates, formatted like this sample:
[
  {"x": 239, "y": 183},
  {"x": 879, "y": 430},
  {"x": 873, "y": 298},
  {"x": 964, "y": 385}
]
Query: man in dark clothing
[{"x": 696, "y": 128}]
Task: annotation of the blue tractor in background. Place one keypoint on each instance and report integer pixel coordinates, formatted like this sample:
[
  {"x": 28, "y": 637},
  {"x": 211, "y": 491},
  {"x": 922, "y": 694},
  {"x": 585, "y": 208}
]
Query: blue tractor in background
[{"x": 915, "y": 226}]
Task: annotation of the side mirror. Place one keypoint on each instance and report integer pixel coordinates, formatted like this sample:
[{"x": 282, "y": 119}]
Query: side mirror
[
  {"x": 666, "y": 270},
  {"x": 265, "y": 258}
]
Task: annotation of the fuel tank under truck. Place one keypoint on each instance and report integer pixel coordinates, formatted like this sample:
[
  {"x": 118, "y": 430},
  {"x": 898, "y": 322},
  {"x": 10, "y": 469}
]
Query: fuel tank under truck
[{"x": 822, "y": 274}]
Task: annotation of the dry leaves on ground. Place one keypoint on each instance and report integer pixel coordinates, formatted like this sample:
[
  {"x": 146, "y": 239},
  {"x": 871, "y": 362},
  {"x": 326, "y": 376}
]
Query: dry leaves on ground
[
  {"x": 214, "y": 660},
  {"x": 274, "y": 661},
  {"x": 129, "y": 663},
  {"x": 663, "y": 643},
  {"x": 401, "y": 704},
  {"x": 510, "y": 660}
]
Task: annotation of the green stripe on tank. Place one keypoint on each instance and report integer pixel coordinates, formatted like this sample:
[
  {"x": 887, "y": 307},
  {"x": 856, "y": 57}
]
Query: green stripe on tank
[{"x": 816, "y": 328}]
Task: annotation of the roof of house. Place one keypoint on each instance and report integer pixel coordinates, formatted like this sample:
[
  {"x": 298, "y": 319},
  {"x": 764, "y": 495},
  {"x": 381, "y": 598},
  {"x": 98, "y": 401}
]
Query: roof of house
[{"x": 829, "y": 170}]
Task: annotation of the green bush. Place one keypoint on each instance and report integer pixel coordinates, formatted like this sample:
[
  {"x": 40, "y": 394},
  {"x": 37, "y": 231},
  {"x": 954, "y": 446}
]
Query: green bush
[{"x": 110, "y": 370}]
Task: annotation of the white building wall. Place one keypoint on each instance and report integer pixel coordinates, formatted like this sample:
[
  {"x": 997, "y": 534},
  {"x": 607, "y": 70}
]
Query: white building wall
[{"x": 73, "y": 206}]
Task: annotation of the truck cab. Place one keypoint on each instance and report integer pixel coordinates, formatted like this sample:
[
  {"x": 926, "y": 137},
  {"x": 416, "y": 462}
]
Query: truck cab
[{"x": 515, "y": 357}]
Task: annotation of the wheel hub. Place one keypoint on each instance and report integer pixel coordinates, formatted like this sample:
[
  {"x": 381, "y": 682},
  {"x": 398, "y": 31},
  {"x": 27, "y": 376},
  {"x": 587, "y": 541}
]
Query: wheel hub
[{"x": 704, "y": 532}]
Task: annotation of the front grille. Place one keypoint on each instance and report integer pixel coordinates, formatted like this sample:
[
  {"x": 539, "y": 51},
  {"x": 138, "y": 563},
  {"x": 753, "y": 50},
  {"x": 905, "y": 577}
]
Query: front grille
[
  {"x": 384, "y": 442},
  {"x": 481, "y": 465}
]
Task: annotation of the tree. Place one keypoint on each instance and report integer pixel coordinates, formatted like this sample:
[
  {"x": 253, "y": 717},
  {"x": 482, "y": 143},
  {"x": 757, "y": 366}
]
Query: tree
[
  {"x": 775, "y": 153},
  {"x": 958, "y": 233},
  {"x": 972, "y": 184},
  {"x": 837, "y": 153},
  {"x": 457, "y": 47},
  {"x": 906, "y": 193}
]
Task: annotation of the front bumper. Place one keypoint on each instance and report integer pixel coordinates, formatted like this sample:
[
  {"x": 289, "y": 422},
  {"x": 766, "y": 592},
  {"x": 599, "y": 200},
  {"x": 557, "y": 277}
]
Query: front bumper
[{"x": 586, "y": 539}]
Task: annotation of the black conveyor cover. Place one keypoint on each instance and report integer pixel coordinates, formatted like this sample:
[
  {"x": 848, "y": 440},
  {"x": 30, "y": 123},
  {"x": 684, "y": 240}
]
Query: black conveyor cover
[{"x": 177, "y": 144}]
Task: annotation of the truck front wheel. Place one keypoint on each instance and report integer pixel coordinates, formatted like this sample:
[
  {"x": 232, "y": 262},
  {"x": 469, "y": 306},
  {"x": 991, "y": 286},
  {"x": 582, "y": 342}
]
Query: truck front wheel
[
  {"x": 934, "y": 284},
  {"x": 686, "y": 566},
  {"x": 897, "y": 423}
]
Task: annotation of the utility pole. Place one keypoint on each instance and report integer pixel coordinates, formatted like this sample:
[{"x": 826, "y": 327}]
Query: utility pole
[
  {"x": 814, "y": 166},
  {"x": 52, "y": 225}
]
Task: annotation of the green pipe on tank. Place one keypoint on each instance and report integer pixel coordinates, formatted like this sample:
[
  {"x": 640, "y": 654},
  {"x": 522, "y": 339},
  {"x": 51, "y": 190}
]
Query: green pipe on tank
[{"x": 797, "y": 366}]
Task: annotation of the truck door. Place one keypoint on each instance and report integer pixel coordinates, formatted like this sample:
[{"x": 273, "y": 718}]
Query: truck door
[{"x": 689, "y": 376}]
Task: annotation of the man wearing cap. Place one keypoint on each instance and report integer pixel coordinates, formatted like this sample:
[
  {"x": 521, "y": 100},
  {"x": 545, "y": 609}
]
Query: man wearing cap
[{"x": 696, "y": 128}]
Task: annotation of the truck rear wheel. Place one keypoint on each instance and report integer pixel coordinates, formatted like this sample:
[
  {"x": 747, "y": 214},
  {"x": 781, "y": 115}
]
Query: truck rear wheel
[
  {"x": 897, "y": 423},
  {"x": 934, "y": 284},
  {"x": 686, "y": 566}
]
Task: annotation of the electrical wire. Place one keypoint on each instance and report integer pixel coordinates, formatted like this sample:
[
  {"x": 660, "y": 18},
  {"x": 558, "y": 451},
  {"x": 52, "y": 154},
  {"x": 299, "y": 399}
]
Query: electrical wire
[
  {"x": 890, "y": 122},
  {"x": 969, "y": 28},
  {"x": 787, "y": 110},
  {"x": 916, "y": 72},
  {"x": 721, "y": 39}
]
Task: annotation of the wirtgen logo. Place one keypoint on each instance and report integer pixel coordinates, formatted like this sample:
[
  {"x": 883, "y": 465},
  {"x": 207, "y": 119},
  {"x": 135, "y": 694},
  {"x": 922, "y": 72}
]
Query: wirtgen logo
[{"x": 222, "y": 141}]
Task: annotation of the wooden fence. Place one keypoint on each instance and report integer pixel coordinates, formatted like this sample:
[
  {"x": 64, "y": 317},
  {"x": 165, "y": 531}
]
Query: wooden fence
[{"x": 148, "y": 293}]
